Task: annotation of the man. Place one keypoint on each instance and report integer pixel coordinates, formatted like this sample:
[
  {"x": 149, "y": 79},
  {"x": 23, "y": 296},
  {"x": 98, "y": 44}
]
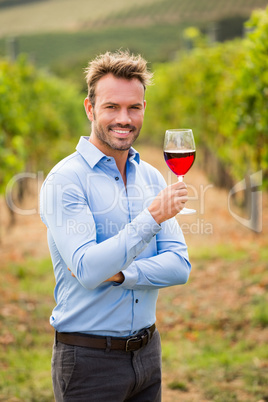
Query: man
[{"x": 110, "y": 221}]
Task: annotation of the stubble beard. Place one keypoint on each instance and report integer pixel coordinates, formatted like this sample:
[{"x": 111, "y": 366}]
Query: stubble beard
[{"x": 117, "y": 144}]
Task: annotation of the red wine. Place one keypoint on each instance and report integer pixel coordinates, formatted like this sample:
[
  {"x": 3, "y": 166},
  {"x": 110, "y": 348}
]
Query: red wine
[{"x": 179, "y": 161}]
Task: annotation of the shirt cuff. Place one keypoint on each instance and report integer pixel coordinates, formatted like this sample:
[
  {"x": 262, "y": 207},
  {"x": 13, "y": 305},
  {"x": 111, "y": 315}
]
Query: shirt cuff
[
  {"x": 146, "y": 226},
  {"x": 131, "y": 276}
]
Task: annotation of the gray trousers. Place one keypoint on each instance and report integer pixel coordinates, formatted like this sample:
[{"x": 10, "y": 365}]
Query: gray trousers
[{"x": 94, "y": 375}]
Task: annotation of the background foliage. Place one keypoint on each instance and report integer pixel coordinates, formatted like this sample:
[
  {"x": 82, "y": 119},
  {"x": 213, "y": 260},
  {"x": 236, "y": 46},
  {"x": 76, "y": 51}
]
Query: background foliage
[
  {"x": 64, "y": 37},
  {"x": 39, "y": 117},
  {"x": 220, "y": 91}
]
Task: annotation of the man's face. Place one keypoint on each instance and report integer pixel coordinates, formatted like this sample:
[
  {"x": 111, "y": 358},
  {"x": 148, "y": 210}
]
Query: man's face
[{"x": 118, "y": 113}]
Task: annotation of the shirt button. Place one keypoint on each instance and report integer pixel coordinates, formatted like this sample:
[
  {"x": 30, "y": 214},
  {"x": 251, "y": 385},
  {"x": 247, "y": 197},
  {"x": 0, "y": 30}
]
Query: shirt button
[
  {"x": 108, "y": 160},
  {"x": 137, "y": 300},
  {"x": 116, "y": 178}
]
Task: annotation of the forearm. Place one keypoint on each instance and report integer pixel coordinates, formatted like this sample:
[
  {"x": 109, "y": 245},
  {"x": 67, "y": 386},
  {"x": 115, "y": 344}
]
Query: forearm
[{"x": 163, "y": 270}]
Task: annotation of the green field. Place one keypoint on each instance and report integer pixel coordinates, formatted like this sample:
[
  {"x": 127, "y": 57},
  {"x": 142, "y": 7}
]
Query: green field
[{"x": 157, "y": 43}]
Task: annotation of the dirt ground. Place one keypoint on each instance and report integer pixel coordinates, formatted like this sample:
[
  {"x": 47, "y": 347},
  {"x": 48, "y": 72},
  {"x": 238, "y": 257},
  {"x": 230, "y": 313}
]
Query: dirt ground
[{"x": 212, "y": 225}]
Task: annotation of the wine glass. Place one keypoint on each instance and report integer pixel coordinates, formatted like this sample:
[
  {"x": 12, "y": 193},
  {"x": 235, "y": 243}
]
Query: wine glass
[{"x": 179, "y": 153}]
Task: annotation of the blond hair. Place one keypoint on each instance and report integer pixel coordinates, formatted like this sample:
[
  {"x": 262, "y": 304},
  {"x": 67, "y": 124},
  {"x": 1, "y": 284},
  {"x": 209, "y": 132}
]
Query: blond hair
[{"x": 121, "y": 64}]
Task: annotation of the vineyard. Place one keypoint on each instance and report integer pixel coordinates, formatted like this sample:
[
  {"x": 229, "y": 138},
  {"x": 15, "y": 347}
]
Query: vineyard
[
  {"x": 39, "y": 119},
  {"x": 29, "y": 16},
  {"x": 62, "y": 52},
  {"x": 214, "y": 330},
  {"x": 69, "y": 36},
  {"x": 93, "y": 13},
  {"x": 220, "y": 91},
  {"x": 190, "y": 11}
]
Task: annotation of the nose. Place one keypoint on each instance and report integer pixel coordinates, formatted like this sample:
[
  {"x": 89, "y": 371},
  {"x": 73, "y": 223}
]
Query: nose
[{"x": 123, "y": 116}]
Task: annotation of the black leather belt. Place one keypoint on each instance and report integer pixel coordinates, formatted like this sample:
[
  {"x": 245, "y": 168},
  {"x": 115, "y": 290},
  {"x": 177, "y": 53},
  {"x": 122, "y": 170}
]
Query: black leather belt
[{"x": 129, "y": 344}]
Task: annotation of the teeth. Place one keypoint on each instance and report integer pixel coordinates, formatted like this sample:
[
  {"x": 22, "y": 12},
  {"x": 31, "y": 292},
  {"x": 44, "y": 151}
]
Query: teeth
[{"x": 122, "y": 131}]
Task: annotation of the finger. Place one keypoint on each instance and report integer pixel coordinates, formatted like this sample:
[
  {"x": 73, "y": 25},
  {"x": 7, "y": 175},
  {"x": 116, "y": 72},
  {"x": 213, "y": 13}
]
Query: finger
[
  {"x": 179, "y": 184},
  {"x": 181, "y": 192},
  {"x": 181, "y": 200},
  {"x": 69, "y": 269}
]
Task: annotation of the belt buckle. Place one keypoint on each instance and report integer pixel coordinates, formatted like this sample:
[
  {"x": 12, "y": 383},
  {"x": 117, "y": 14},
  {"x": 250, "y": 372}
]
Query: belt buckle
[{"x": 128, "y": 341}]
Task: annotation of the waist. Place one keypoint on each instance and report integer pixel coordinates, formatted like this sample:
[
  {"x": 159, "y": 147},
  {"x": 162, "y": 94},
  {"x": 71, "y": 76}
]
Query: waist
[
  {"x": 104, "y": 311},
  {"x": 128, "y": 344}
]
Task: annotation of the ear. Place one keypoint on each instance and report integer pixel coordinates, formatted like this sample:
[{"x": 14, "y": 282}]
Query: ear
[
  {"x": 144, "y": 104},
  {"x": 88, "y": 109}
]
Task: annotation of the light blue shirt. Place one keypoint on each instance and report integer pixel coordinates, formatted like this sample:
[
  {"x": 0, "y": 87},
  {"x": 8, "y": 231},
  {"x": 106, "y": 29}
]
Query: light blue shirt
[{"x": 97, "y": 227}]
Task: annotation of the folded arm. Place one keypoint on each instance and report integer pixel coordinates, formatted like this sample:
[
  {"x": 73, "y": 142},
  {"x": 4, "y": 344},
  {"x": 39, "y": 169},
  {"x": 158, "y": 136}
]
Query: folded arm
[
  {"x": 169, "y": 267},
  {"x": 65, "y": 211}
]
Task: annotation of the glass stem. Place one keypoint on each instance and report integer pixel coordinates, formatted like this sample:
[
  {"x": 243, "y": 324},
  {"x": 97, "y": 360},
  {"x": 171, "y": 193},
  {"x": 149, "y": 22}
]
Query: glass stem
[{"x": 180, "y": 178}]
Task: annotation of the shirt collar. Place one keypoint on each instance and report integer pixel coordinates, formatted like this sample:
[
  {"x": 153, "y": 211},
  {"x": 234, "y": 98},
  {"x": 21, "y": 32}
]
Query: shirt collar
[
  {"x": 93, "y": 155},
  {"x": 133, "y": 155}
]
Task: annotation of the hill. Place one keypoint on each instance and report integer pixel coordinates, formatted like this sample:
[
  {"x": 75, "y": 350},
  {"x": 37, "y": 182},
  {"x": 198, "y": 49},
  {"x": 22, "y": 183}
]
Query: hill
[
  {"x": 30, "y": 16},
  {"x": 186, "y": 11}
]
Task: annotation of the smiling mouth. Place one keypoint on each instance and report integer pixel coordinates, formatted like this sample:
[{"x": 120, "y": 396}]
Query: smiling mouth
[{"x": 122, "y": 132}]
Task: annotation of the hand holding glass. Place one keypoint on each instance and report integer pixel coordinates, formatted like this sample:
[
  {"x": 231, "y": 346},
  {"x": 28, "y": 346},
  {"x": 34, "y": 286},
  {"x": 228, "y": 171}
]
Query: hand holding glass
[{"x": 179, "y": 153}]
